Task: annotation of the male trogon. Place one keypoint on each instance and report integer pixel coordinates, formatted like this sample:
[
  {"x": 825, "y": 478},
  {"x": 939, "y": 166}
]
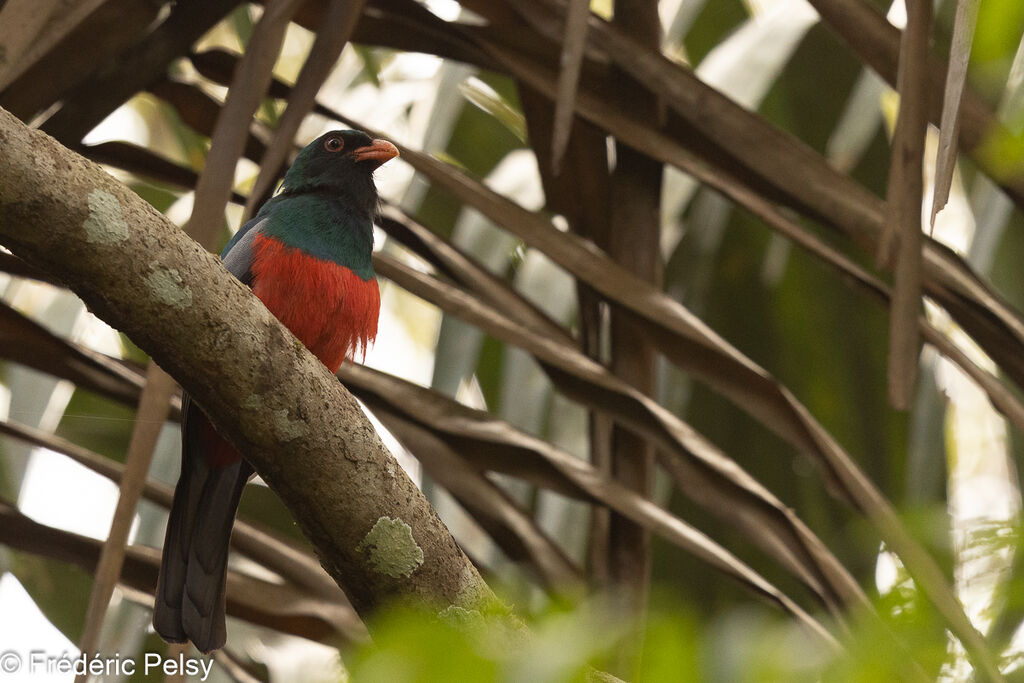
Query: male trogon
[{"x": 307, "y": 255}]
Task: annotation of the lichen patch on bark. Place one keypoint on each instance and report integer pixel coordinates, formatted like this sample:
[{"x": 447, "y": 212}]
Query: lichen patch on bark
[
  {"x": 466, "y": 620},
  {"x": 167, "y": 285},
  {"x": 391, "y": 549},
  {"x": 473, "y": 592},
  {"x": 285, "y": 427},
  {"x": 105, "y": 223}
]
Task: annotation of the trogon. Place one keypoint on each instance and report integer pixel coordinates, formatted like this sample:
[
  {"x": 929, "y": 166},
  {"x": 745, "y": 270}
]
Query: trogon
[{"x": 307, "y": 255}]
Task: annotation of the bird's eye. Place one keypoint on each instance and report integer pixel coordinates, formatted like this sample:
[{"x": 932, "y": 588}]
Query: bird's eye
[{"x": 333, "y": 144}]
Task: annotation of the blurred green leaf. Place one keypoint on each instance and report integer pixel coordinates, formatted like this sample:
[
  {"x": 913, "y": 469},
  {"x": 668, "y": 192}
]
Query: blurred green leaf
[
  {"x": 491, "y": 102},
  {"x": 260, "y": 504},
  {"x": 673, "y": 644},
  {"x": 60, "y": 590},
  {"x": 488, "y": 371},
  {"x": 1003, "y": 151},
  {"x": 716, "y": 20},
  {"x": 160, "y": 198},
  {"x": 408, "y": 647},
  {"x": 373, "y": 62},
  {"x": 242, "y": 22},
  {"x": 998, "y": 30},
  {"x": 99, "y": 424}
]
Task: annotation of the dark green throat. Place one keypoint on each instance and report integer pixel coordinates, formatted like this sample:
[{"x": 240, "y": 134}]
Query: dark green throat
[{"x": 323, "y": 225}]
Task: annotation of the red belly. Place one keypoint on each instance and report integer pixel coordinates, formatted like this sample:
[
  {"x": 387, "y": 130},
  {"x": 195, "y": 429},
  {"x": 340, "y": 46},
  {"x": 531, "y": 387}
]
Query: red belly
[{"x": 329, "y": 308}]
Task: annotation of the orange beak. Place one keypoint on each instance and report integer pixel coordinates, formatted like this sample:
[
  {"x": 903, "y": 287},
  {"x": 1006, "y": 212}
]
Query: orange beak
[{"x": 379, "y": 151}]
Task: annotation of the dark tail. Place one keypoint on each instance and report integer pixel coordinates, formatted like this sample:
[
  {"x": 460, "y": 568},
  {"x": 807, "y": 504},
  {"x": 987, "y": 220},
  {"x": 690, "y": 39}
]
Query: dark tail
[{"x": 190, "y": 594}]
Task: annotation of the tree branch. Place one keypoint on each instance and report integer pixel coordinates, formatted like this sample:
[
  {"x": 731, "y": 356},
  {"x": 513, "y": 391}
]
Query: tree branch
[{"x": 374, "y": 532}]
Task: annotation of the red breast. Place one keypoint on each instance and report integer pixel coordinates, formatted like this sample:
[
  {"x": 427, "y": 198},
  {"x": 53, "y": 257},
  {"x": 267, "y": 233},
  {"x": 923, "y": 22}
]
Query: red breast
[{"x": 328, "y": 307}]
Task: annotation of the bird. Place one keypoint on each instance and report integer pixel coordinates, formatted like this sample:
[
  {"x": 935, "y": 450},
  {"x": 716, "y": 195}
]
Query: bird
[{"x": 307, "y": 255}]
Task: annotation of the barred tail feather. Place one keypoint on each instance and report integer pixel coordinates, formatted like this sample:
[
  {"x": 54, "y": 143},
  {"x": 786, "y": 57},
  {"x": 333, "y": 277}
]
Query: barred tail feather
[
  {"x": 204, "y": 599},
  {"x": 170, "y": 586},
  {"x": 191, "y": 599}
]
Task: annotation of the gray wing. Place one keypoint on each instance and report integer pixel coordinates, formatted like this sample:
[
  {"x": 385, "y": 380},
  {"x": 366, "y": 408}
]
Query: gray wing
[{"x": 237, "y": 255}]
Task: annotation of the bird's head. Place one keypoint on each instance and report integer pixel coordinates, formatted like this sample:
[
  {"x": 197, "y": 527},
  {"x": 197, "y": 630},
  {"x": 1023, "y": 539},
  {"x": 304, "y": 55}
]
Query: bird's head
[{"x": 341, "y": 162}]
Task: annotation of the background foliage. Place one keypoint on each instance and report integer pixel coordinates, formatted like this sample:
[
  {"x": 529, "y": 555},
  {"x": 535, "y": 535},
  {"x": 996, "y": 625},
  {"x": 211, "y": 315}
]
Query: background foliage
[{"x": 732, "y": 158}]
